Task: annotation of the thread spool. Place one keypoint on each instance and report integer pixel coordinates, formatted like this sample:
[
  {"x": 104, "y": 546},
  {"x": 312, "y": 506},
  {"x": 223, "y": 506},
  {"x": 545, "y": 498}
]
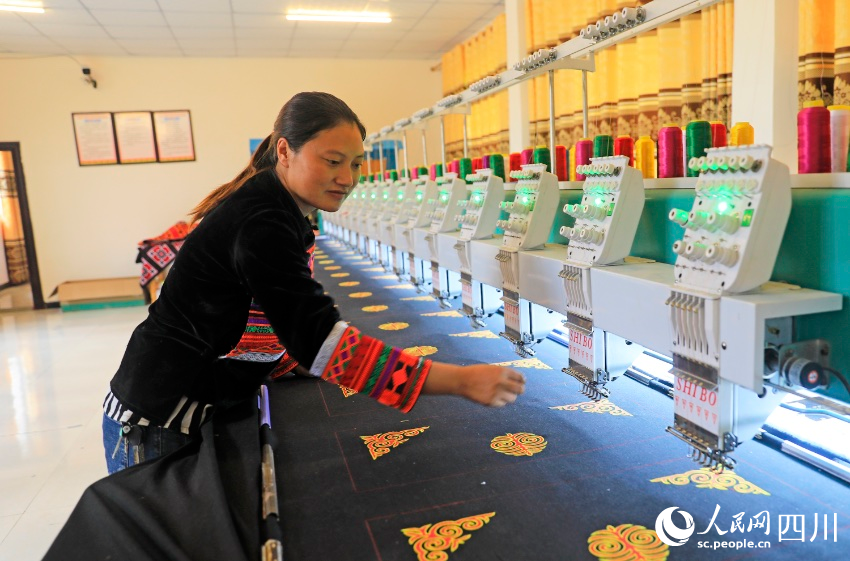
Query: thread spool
[
  {"x": 527, "y": 156},
  {"x": 624, "y": 145},
  {"x": 515, "y": 161},
  {"x": 814, "y": 153},
  {"x": 718, "y": 134},
  {"x": 839, "y": 133},
  {"x": 670, "y": 159},
  {"x": 742, "y": 134},
  {"x": 393, "y": 175},
  {"x": 497, "y": 164},
  {"x": 645, "y": 156},
  {"x": 464, "y": 168},
  {"x": 485, "y": 162},
  {"x": 561, "y": 163},
  {"x": 584, "y": 151},
  {"x": 571, "y": 156},
  {"x": 603, "y": 145},
  {"x": 543, "y": 156},
  {"x": 697, "y": 139},
  {"x": 421, "y": 171}
]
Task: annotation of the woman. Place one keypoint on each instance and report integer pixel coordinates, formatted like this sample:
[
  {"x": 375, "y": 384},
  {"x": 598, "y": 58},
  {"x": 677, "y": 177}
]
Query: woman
[{"x": 252, "y": 244}]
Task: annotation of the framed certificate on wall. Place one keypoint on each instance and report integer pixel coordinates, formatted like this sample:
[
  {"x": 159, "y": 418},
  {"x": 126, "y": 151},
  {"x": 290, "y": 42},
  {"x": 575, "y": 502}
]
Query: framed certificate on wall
[
  {"x": 174, "y": 140},
  {"x": 94, "y": 134},
  {"x": 134, "y": 136}
]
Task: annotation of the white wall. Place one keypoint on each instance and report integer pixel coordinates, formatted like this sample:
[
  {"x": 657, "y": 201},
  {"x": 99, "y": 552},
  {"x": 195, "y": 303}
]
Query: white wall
[{"x": 88, "y": 220}]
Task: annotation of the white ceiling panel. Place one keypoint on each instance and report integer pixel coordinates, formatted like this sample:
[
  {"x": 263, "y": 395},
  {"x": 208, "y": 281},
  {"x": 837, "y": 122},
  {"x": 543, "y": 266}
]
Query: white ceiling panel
[
  {"x": 250, "y": 28},
  {"x": 128, "y": 17}
]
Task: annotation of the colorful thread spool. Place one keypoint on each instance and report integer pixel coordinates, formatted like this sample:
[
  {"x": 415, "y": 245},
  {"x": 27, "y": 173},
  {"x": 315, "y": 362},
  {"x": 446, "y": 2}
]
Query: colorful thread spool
[
  {"x": 697, "y": 140},
  {"x": 624, "y": 145},
  {"x": 839, "y": 133},
  {"x": 561, "y": 163},
  {"x": 718, "y": 134},
  {"x": 421, "y": 171},
  {"x": 742, "y": 134},
  {"x": 603, "y": 145},
  {"x": 497, "y": 164},
  {"x": 670, "y": 160},
  {"x": 485, "y": 162},
  {"x": 543, "y": 156},
  {"x": 814, "y": 153},
  {"x": 527, "y": 156},
  {"x": 584, "y": 151},
  {"x": 464, "y": 168},
  {"x": 572, "y": 156},
  {"x": 645, "y": 157},
  {"x": 515, "y": 161},
  {"x": 392, "y": 175}
]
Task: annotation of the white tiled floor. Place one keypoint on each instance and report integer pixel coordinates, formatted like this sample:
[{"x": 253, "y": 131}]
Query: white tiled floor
[{"x": 54, "y": 370}]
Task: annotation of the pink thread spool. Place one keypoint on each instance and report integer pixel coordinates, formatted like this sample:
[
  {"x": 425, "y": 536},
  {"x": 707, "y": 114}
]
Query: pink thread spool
[
  {"x": 624, "y": 145},
  {"x": 670, "y": 159},
  {"x": 485, "y": 162},
  {"x": 718, "y": 134},
  {"x": 814, "y": 149},
  {"x": 527, "y": 156},
  {"x": 584, "y": 151}
]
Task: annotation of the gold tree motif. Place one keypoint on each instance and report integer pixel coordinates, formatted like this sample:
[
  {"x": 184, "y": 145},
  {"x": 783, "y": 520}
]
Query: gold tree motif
[
  {"x": 704, "y": 478},
  {"x": 519, "y": 444},
  {"x": 350, "y": 283},
  {"x": 380, "y": 308},
  {"x": 431, "y": 541},
  {"x": 340, "y": 275},
  {"x": 627, "y": 542},
  {"x": 602, "y": 406},
  {"x": 380, "y": 444},
  {"x": 347, "y": 392},
  {"x": 394, "y": 326}
]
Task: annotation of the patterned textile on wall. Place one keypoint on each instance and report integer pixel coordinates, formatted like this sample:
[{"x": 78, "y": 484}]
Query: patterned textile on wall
[
  {"x": 816, "y": 67},
  {"x": 156, "y": 254},
  {"x": 13, "y": 233}
]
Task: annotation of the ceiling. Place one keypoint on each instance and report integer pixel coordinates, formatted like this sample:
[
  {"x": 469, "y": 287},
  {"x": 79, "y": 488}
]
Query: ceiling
[{"x": 421, "y": 29}]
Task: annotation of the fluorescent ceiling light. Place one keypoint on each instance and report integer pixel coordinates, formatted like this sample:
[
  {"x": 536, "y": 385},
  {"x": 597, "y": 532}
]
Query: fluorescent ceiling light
[
  {"x": 331, "y": 15},
  {"x": 28, "y": 7}
]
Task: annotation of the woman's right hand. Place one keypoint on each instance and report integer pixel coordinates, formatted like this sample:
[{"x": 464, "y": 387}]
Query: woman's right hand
[{"x": 486, "y": 384}]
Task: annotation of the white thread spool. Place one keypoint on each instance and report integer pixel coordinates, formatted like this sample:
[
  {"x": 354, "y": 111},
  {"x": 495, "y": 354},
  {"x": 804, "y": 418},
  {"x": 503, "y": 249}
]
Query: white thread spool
[{"x": 839, "y": 125}]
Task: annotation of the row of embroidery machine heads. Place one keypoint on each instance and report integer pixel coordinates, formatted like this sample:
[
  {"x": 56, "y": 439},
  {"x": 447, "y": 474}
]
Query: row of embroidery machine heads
[{"x": 713, "y": 311}]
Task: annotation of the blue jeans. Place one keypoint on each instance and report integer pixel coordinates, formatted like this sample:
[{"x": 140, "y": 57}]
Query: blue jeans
[{"x": 155, "y": 442}]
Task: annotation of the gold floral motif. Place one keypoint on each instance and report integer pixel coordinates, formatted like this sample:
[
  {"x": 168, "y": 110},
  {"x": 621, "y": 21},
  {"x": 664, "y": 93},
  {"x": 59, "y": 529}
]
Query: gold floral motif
[
  {"x": 420, "y": 298},
  {"x": 347, "y": 392},
  {"x": 360, "y": 295},
  {"x": 519, "y": 444},
  {"x": 373, "y": 308},
  {"x": 431, "y": 541},
  {"x": 349, "y": 283},
  {"x": 421, "y": 351},
  {"x": 704, "y": 478},
  {"x": 602, "y": 406},
  {"x": 332, "y": 267},
  {"x": 380, "y": 444},
  {"x": 394, "y": 326},
  {"x": 526, "y": 363},
  {"x": 340, "y": 275},
  {"x": 446, "y": 314},
  {"x": 326, "y": 262},
  {"x": 627, "y": 542},
  {"x": 481, "y": 334}
]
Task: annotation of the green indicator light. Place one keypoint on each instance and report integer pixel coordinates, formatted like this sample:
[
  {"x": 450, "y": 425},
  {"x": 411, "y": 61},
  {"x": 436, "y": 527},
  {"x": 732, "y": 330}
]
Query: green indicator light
[
  {"x": 525, "y": 199},
  {"x": 748, "y": 218},
  {"x": 476, "y": 198},
  {"x": 374, "y": 195},
  {"x": 419, "y": 195},
  {"x": 386, "y": 196},
  {"x": 400, "y": 196},
  {"x": 444, "y": 196},
  {"x": 610, "y": 209},
  {"x": 599, "y": 201},
  {"x": 722, "y": 207}
]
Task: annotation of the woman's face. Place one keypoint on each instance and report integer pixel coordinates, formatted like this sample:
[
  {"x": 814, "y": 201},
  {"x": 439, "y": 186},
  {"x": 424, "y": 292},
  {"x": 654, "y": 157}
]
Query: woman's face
[{"x": 325, "y": 170}]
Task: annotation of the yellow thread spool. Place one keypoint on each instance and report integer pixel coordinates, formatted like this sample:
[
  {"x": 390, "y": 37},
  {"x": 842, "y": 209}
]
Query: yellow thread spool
[
  {"x": 742, "y": 134},
  {"x": 645, "y": 157}
]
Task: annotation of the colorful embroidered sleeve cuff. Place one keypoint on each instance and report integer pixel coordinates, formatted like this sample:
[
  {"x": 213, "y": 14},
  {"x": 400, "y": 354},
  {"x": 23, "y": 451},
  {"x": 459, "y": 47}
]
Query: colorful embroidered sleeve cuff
[{"x": 367, "y": 365}]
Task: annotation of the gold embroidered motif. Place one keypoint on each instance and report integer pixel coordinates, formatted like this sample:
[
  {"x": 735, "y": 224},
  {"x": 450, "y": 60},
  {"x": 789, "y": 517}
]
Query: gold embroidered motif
[
  {"x": 481, "y": 334},
  {"x": 602, "y": 406},
  {"x": 627, "y": 542},
  {"x": 360, "y": 295},
  {"x": 519, "y": 444},
  {"x": 431, "y": 541},
  {"x": 339, "y": 275},
  {"x": 446, "y": 314},
  {"x": 332, "y": 267},
  {"x": 349, "y": 283},
  {"x": 526, "y": 363},
  {"x": 394, "y": 326},
  {"x": 347, "y": 392},
  {"x": 374, "y": 308},
  {"x": 326, "y": 262},
  {"x": 421, "y": 351},
  {"x": 704, "y": 478},
  {"x": 380, "y": 444}
]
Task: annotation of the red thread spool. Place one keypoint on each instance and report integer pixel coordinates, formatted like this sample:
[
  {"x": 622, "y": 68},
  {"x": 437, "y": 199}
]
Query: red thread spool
[
  {"x": 718, "y": 134},
  {"x": 624, "y": 145},
  {"x": 476, "y": 164},
  {"x": 527, "y": 156},
  {"x": 671, "y": 161},
  {"x": 515, "y": 163},
  {"x": 561, "y": 166},
  {"x": 584, "y": 151},
  {"x": 432, "y": 173},
  {"x": 814, "y": 149}
]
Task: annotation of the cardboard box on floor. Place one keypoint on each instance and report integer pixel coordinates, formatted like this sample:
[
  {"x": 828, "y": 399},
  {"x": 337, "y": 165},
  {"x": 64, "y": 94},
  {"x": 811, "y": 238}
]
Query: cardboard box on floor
[{"x": 99, "y": 293}]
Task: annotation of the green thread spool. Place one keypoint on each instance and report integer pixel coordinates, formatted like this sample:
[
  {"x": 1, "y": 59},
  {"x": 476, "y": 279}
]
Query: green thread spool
[
  {"x": 393, "y": 175},
  {"x": 464, "y": 168},
  {"x": 438, "y": 170},
  {"x": 542, "y": 156},
  {"x": 497, "y": 164},
  {"x": 423, "y": 171},
  {"x": 603, "y": 145},
  {"x": 362, "y": 179},
  {"x": 697, "y": 139}
]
